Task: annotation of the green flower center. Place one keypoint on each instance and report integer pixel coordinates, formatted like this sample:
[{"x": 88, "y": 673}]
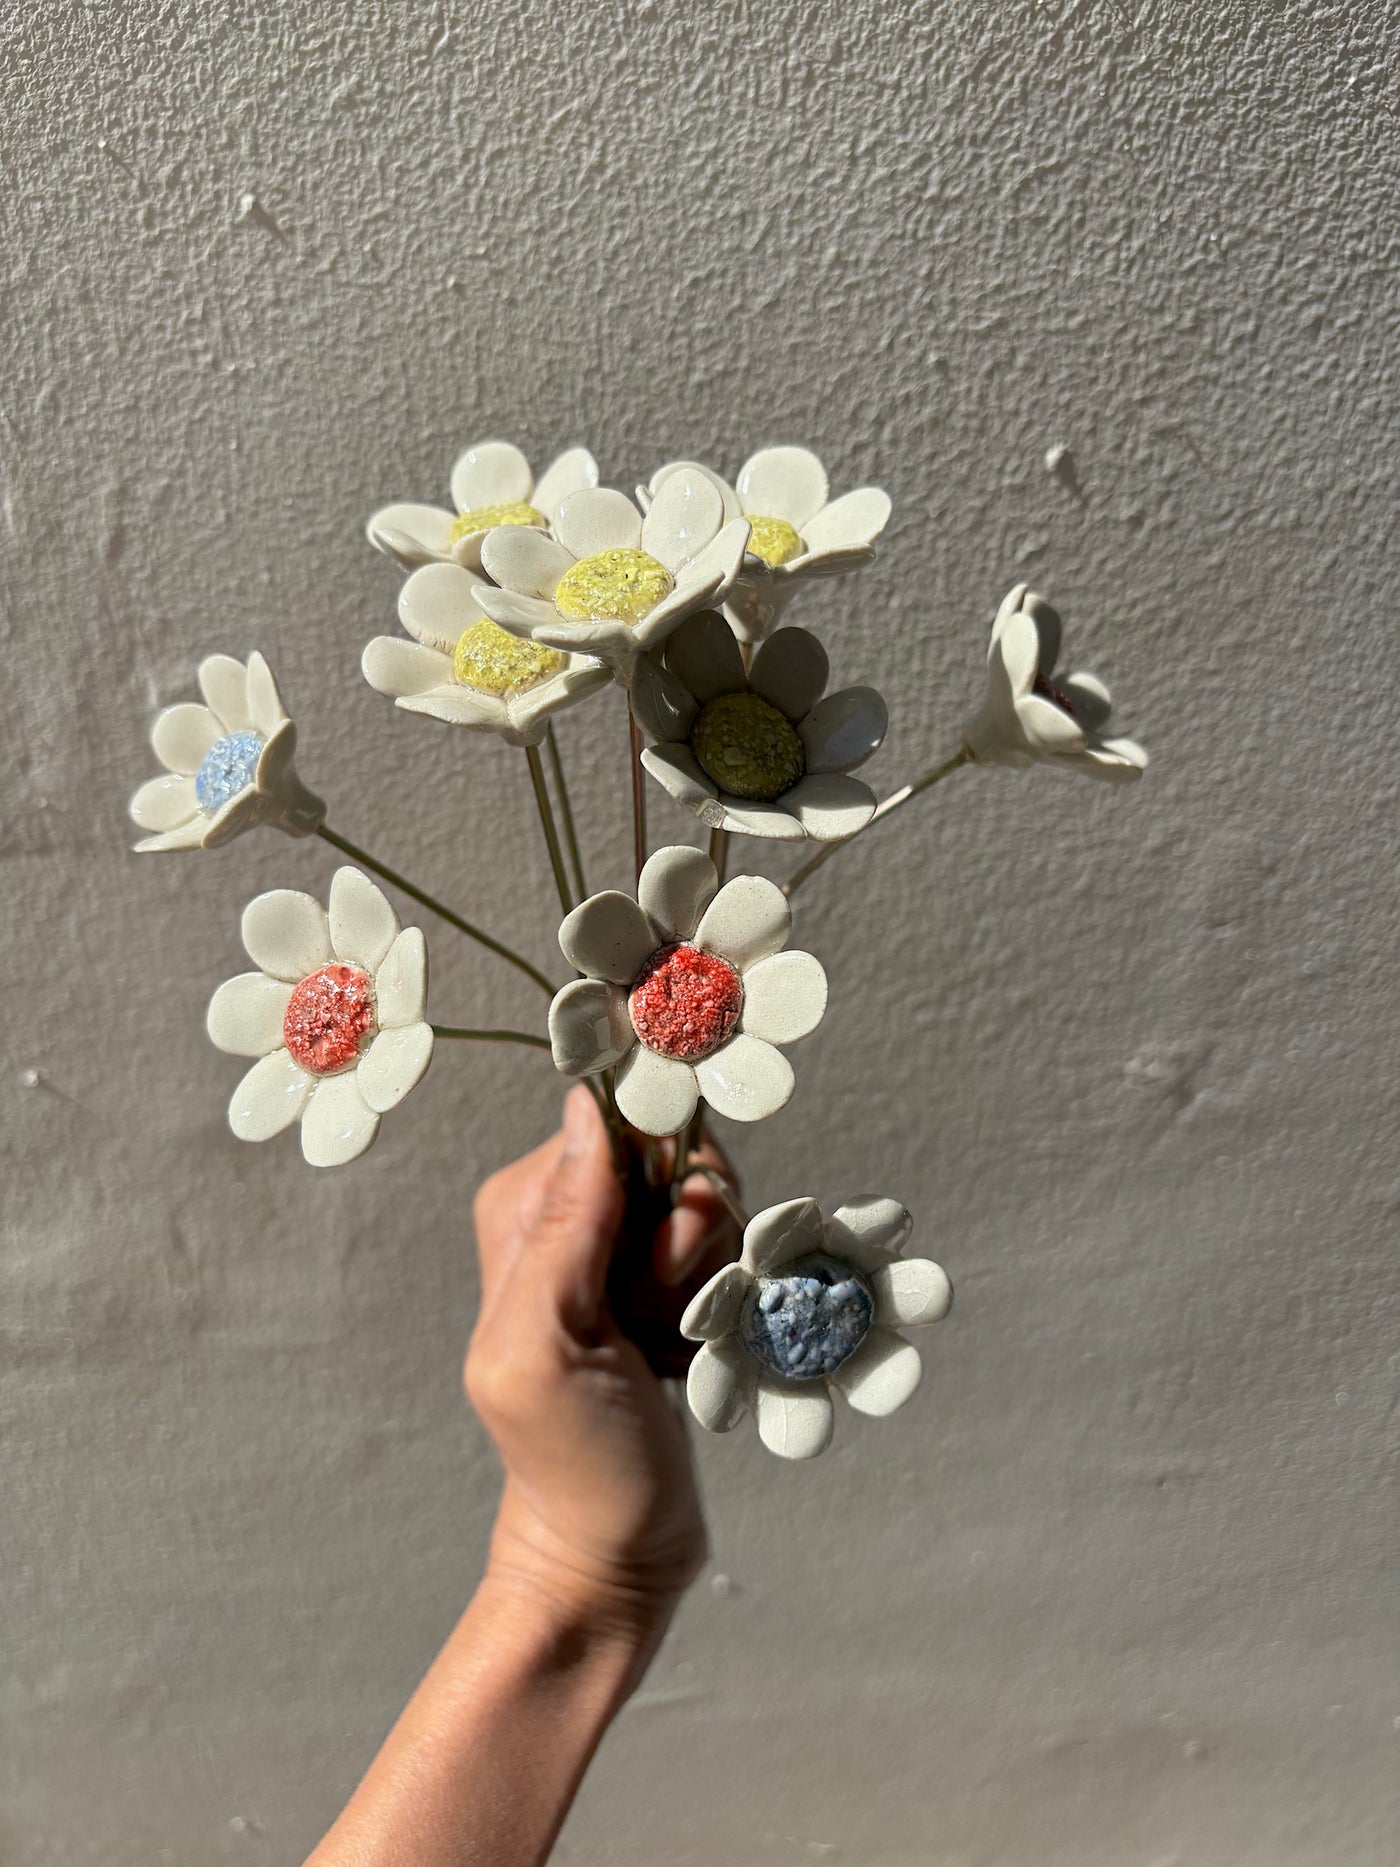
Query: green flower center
[
  {"x": 748, "y": 747},
  {"x": 774, "y": 541},
  {"x": 612, "y": 586},
  {"x": 491, "y": 660},
  {"x": 485, "y": 518}
]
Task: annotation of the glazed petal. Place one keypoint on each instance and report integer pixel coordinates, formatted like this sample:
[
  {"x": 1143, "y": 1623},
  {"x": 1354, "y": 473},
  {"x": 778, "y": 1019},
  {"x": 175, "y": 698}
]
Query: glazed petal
[
  {"x": 794, "y": 1417},
  {"x": 363, "y": 925},
  {"x": 910, "y": 1291},
  {"x": 656, "y": 1094},
  {"x": 520, "y": 558},
  {"x": 830, "y": 805},
  {"x": 746, "y": 1079},
  {"x": 286, "y": 933},
  {"x": 676, "y": 767},
  {"x": 746, "y": 818},
  {"x": 783, "y": 483},
  {"x": 189, "y": 835},
  {"x": 245, "y": 1014},
  {"x": 589, "y": 1029},
  {"x": 183, "y": 734},
  {"x": 703, "y": 653},
  {"x": 720, "y": 1385},
  {"x": 597, "y": 519},
  {"x": 747, "y": 920},
  {"x": 778, "y": 1234},
  {"x": 843, "y": 730},
  {"x": 459, "y": 706},
  {"x": 662, "y": 703},
  {"x": 165, "y": 803},
  {"x": 401, "y": 983},
  {"x": 522, "y": 615},
  {"x": 569, "y": 473},
  {"x": 685, "y": 515},
  {"x": 412, "y": 534},
  {"x": 438, "y": 603},
  {"x": 1092, "y": 704},
  {"x": 869, "y": 1231},
  {"x": 398, "y": 668},
  {"x": 490, "y": 473},
  {"x": 1048, "y": 727},
  {"x": 608, "y": 937},
  {"x": 264, "y": 701},
  {"x": 224, "y": 685},
  {"x": 784, "y": 997},
  {"x": 338, "y": 1124},
  {"x": 394, "y": 1063},
  {"x": 714, "y": 1309},
  {"x": 726, "y": 492},
  {"x": 790, "y": 672},
  {"x": 854, "y": 520},
  {"x": 881, "y": 1375},
  {"x": 676, "y": 886},
  {"x": 269, "y": 1098}
]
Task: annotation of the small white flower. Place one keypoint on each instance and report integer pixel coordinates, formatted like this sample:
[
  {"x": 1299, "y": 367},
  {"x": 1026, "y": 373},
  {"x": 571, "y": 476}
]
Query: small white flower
[
  {"x": 797, "y": 533},
  {"x": 228, "y": 764},
  {"x": 335, "y": 1016},
  {"x": 608, "y": 582},
  {"x": 464, "y": 668},
  {"x": 1033, "y": 716},
  {"x": 760, "y": 753},
  {"x": 491, "y": 485},
  {"x": 812, "y": 1304},
  {"x": 687, "y": 990}
]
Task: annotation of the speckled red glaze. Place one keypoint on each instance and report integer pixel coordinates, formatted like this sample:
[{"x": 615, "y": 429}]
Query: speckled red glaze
[
  {"x": 685, "y": 1003},
  {"x": 328, "y": 1015}
]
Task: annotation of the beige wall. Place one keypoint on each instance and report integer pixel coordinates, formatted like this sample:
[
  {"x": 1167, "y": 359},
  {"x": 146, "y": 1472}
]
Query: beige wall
[{"x": 1118, "y": 1589}]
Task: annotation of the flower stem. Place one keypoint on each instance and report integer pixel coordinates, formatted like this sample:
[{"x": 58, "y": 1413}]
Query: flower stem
[
  {"x": 566, "y": 814},
  {"x": 491, "y": 1037},
  {"x": 726, "y": 1196},
  {"x": 639, "y": 798},
  {"x": 891, "y": 804},
  {"x": 547, "y": 824},
  {"x": 719, "y": 851},
  {"x": 426, "y": 900}
]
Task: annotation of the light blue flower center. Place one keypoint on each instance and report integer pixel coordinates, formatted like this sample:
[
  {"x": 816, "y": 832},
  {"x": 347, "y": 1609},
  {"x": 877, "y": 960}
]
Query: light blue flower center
[
  {"x": 228, "y": 767},
  {"x": 809, "y": 1320}
]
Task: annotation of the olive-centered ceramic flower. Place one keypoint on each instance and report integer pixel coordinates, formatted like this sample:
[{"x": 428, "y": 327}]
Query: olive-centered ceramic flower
[
  {"x": 462, "y": 667},
  {"x": 334, "y": 1015},
  {"x": 812, "y": 1304},
  {"x": 491, "y": 485},
  {"x": 1033, "y": 716},
  {"x": 228, "y": 763},
  {"x": 760, "y": 753},
  {"x": 796, "y": 531},
  {"x": 688, "y": 991},
  {"x": 608, "y": 582}
]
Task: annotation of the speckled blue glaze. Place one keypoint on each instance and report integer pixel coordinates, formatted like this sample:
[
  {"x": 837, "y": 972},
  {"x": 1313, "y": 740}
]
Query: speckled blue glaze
[
  {"x": 809, "y": 1320},
  {"x": 228, "y": 767}
]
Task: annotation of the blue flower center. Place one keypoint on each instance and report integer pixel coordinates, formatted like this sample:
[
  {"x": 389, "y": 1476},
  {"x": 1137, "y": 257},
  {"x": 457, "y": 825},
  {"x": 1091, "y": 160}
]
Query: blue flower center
[
  {"x": 805, "y": 1323},
  {"x": 228, "y": 767}
]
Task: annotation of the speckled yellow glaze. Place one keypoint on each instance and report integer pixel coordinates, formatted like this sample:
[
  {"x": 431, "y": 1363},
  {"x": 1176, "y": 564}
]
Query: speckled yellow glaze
[
  {"x": 491, "y": 660},
  {"x": 773, "y": 540},
  {"x": 484, "y": 518},
  {"x": 612, "y": 586}
]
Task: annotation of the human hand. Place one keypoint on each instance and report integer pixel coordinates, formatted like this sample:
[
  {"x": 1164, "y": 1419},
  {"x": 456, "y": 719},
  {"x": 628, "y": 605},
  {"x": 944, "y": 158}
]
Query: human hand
[{"x": 600, "y": 1505}]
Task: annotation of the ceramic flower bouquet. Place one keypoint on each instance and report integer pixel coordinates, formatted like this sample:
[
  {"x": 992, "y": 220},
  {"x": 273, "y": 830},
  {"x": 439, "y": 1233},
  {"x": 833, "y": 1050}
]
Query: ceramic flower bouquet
[{"x": 685, "y": 995}]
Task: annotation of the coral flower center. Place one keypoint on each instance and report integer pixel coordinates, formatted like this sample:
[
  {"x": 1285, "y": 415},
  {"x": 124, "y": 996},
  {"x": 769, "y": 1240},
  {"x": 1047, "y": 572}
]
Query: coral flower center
[
  {"x": 486, "y": 518},
  {"x": 685, "y": 1003},
  {"x": 805, "y": 1322},
  {"x": 773, "y": 541},
  {"x": 228, "y": 767},
  {"x": 747, "y": 746},
  {"x": 491, "y": 660},
  {"x": 328, "y": 1017},
  {"x": 612, "y": 586}
]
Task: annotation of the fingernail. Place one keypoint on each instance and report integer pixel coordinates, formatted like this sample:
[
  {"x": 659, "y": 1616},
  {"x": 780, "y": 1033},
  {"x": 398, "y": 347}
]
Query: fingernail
[{"x": 578, "y": 1123}]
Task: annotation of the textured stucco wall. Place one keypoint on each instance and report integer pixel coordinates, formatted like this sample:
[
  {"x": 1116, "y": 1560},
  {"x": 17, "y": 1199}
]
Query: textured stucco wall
[{"x": 1118, "y": 1590}]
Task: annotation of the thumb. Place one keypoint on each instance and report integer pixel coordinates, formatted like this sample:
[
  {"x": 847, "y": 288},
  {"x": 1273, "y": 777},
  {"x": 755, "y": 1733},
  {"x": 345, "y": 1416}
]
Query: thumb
[{"x": 570, "y": 1242}]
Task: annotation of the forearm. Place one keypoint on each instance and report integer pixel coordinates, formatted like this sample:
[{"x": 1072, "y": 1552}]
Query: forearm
[{"x": 486, "y": 1758}]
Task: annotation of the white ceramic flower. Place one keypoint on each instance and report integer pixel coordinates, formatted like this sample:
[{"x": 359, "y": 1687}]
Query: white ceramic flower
[
  {"x": 228, "y": 764},
  {"x": 796, "y": 531},
  {"x": 760, "y": 753},
  {"x": 335, "y": 1017},
  {"x": 687, "y": 990},
  {"x": 1031, "y": 716},
  {"x": 608, "y": 582},
  {"x": 462, "y": 667},
  {"x": 812, "y": 1304},
  {"x": 491, "y": 485}
]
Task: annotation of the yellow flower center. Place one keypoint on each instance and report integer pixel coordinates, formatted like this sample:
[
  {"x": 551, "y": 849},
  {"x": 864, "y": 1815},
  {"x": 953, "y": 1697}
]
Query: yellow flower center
[
  {"x": 483, "y": 518},
  {"x": 773, "y": 540},
  {"x": 748, "y": 747},
  {"x": 612, "y": 586},
  {"x": 491, "y": 660}
]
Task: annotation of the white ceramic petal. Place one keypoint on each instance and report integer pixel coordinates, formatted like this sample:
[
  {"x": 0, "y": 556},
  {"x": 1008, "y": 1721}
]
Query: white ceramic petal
[
  {"x": 830, "y": 805},
  {"x": 459, "y": 706},
  {"x": 814, "y": 565},
  {"x": 843, "y": 730},
  {"x": 747, "y": 920},
  {"x": 676, "y": 767},
  {"x": 1092, "y": 702},
  {"x": 520, "y": 558},
  {"x": 183, "y": 734},
  {"x": 398, "y": 668},
  {"x": 286, "y": 933},
  {"x": 676, "y": 886},
  {"x": 245, "y": 1014},
  {"x": 702, "y": 652},
  {"x": 662, "y": 702},
  {"x": 881, "y": 1375},
  {"x": 269, "y": 1098},
  {"x": 438, "y": 603},
  {"x": 1013, "y": 659},
  {"x": 746, "y": 818},
  {"x": 363, "y": 925},
  {"x": 597, "y": 519},
  {"x": 165, "y": 803},
  {"x": 242, "y": 812},
  {"x": 790, "y": 672},
  {"x": 854, "y": 520},
  {"x": 529, "y": 712},
  {"x": 910, "y": 1291},
  {"x": 613, "y": 643},
  {"x": 1117, "y": 760},
  {"x": 224, "y": 685},
  {"x": 794, "y": 1417},
  {"x": 720, "y": 1384},
  {"x": 189, "y": 835},
  {"x": 264, "y": 701},
  {"x": 1048, "y": 627},
  {"x": 569, "y": 473},
  {"x": 394, "y": 1063},
  {"x": 714, "y": 1309},
  {"x": 868, "y": 1231},
  {"x": 656, "y": 1094},
  {"x": 746, "y": 1079},
  {"x": 608, "y": 937},
  {"x": 412, "y": 534},
  {"x": 490, "y": 473},
  {"x": 522, "y": 615},
  {"x": 784, "y": 997},
  {"x": 338, "y": 1124},
  {"x": 685, "y": 515},
  {"x": 401, "y": 983},
  {"x": 707, "y": 576},
  {"x": 778, "y": 1234},
  {"x": 783, "y": 483},
  {"x": 589, "y": 1029},
  {"x": 1048, "y": 728},
  {"x": 726, "y": 492}
]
